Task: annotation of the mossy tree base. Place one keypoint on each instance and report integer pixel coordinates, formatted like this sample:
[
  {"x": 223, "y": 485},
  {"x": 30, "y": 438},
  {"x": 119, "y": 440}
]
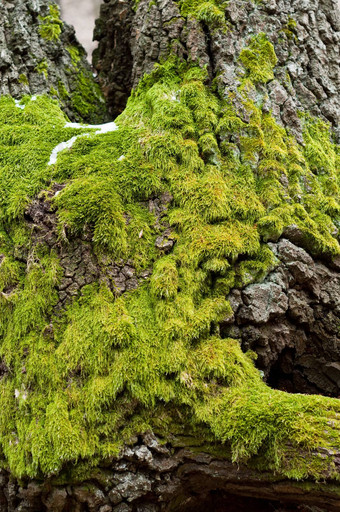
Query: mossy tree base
[{"x": 179, "y": 476}]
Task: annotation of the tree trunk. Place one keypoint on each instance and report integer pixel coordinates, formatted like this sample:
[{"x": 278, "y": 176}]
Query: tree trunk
[
  {"x": 304, "y": 35},
  {"x": 39, "y": 54},
  {"x": 170, "y": 291}
]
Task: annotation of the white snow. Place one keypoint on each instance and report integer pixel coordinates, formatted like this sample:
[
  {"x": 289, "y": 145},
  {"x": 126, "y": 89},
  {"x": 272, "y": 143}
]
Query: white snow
[
  {"x": 174, "y": 96},
  {"x": 100, "y": 128},
  {"x": 106, "y": 128},
  {"x": 18, "y": 104},
  {"x": 63, "y": 145}
]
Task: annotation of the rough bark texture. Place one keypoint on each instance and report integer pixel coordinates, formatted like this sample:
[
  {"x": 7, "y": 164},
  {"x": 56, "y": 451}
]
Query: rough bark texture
[
  {"x": 305, "y": 35},
  {"x": 80, "y": 265},
  {"x": 34, "y": 61},
  {"x": 152, "y": 477},
  {"x": 291, "y": 320}
]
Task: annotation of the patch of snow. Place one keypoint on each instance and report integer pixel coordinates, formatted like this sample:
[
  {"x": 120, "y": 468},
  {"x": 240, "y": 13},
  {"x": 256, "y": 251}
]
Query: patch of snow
[
  {"x": 18, "y": 104},
  {"x": 75, "y": 125},
  {"x": 63, "y": 145},
  {"x": 107, "y": 127},
  {"x": 20, "y": 394},
  {"x": 100, "y": 128},
  {"x": 175, "y": 95}
]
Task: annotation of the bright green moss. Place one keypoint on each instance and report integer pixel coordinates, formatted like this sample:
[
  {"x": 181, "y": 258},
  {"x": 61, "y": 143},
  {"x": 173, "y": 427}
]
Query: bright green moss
[
  {"x": 62, "y": 91},
  {"x": 259, "y": 59},
  {"x": 81, "y": 93},
  {"x": 51, "y": 25},
  {"x": 108, "y": 367},
  {"x": 290, "y": 29},
  {"x": 42, "y": 68},
  {"x": 210, "y": 12},
  {"x": 27, "y": 139},
  {"x": 75, "y": 54},
  {"x": 164, "y": 281}
]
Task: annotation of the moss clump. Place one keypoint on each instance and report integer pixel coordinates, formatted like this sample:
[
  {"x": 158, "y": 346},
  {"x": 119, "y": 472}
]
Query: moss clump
[
  {"x": 75, "y": 54},
  {"x": 87, "y": 99},
  {"x": 108, "y": 367},
  {"x": 42, "y": 68},
  {"x": 23, "y": 79},
  {"x": 82, "y": 94},
  {"x": 51, "y": 25},
  {"x": 210, "y": 12},
  {"x": 259, "y": 59},
  {"x": 62, "y": 91},
  {"x": 290, "y": 29}
]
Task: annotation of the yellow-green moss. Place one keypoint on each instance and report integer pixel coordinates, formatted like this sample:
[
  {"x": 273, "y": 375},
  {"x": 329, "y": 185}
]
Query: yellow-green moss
[
  {"x": 75, "y": 54},
  {"x": 259, "y": 59},
  {"x": 210, "y": 12},
  {"x": 23, "y": 79},
  {"x": 109, "y": 367},
  {"x": 51, "y": 25},
  {"x": 62, "y": 91},
  {"x": 87, "y": 99},
  {"x": 42, "y": 68}
]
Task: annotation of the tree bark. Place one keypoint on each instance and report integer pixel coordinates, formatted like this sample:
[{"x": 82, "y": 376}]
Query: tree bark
[
  {"x": 305, "y": 36},
  {"x": 39, "y": 54},
  {"x": 153, "y": 477},
  {"x": 290, "y": 319}
]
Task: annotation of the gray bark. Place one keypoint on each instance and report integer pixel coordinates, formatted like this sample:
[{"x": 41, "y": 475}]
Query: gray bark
[
  {"x": 33, "y": 64},
  {"x": 152, "y": 477},
  {"x": 305, "y": 35}
]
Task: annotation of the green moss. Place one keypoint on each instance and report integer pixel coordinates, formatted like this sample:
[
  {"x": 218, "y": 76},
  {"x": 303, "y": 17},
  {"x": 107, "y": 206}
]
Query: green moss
[
  {"x": 42, "y": 68},
  {"x": 75, "y": 54},
  {"x": 259, "y": 59},
  {"x": 210, "y": 12},
  {"x": 108, "y": 367},
  {"x": 62, "y": 91},
  {"x": 80, "y": 93},
  {"x": 23, "y": 79},
  {"x": 51, "y": 25},
  {"x": 87, "y": 99},
  {"x": 290, "y": 29}
]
